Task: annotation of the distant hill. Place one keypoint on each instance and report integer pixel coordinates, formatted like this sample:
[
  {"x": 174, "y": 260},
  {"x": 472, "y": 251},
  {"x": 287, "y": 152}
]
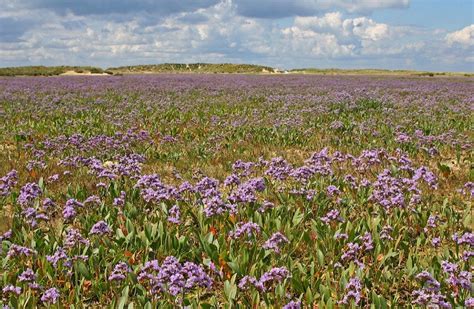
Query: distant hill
[
  {"x": 47, "y": 71},
  {"x": 221, "y": 68},
  {"x": 374, "y": 72},
  {"x": 192, "y": 68}
]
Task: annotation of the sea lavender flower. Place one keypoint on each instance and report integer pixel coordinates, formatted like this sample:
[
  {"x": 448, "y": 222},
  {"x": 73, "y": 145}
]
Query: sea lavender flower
[
  {"x": 120, "y": 201},
  {"x": 275, "y": 242},
  {"x": 69, "y": 211},
  {"x": 73, "y": 238},
  {"x": 246, "y": 281},
  {"x": 448, "y": 267},
  {"x": 341, "y": 236},
  {"x": 436, "y": 242},
  {"x": 53, "y": 178},
  {"x": 468, "y": 189},
  {"x": 174, "y": 215},
  {"x": 7, "y": 182},
  {"x": 100, "y": 228},
  {"x": 120, "y": 272},
  {"x": 28, "y": 193},
  {"x": 7, "y": 235},
  {"x": 332, "y": 191},
  {"x": 275, "y": 275},
  {"x": 245, "y": 193},
  {"x": 431, "y": 223},
  {"x": 352, "y": 291},
  {"x": 469, "y": 303},
  {"x": 265, "y": 206},
  {"x": 11, "y": 289},
  {"x": 466, "y": 255},
  {"x": 424, "y": 297},
  {"x": 245, "y": 228},
  {"x": 59, "y": 255},
  {"x": 242, "y": 169},
  {"x": 93, "y": 199},
  {"x": 367, "y": 242},
  {"x": 27, "y": 276},
  {"x": 278, "y": 168},
  {"x": 293, "y": 305},
  {"x": 173, "y": 277},
  {"x": 331, "y": 216},
  {"x": 429, "y": 283},
  {"x": 50, "y": 296},
  {"x": 16, "y": 251},
  {"x": 232, "y": 180},
  {"x": 48, "y": 204},
  {"x": 385, "y": 233}
]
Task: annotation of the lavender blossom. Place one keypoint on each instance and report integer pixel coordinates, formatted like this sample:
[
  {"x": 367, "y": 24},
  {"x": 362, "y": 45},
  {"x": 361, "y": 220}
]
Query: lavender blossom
[{"x": 275, "y": 242}]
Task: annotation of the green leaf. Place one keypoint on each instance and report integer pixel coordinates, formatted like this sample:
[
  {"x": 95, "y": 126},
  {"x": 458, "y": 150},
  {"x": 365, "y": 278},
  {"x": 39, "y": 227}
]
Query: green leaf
[
  {"x": 297, "y": 217},
  {"x": 124, "y": 298}
]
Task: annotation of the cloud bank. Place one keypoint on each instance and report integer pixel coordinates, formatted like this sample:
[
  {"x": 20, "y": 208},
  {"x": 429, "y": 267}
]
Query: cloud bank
[{"x": 285, "y": 34}]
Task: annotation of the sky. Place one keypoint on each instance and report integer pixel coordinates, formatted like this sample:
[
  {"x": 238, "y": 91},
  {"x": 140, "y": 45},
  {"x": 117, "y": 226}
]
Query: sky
[{"x": 434, "y": 35}]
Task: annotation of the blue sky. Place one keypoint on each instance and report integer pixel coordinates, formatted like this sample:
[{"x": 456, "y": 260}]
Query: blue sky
[{"x": 436, "y": 35}]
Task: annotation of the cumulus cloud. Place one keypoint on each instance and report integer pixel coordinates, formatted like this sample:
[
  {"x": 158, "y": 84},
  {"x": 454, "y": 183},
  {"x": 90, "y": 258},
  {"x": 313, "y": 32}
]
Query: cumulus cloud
[{"x": 463, "y": 37}]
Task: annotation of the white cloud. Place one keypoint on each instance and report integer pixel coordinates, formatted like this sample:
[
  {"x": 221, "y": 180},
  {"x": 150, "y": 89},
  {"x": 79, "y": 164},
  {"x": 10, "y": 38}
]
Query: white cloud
[
  {"x": 219, "y": 33},
  {"x": 463, "y": 37}
]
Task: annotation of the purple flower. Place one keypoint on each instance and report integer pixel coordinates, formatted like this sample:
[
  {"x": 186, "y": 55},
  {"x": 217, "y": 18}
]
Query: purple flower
[
  {"x": 173, "y": 277},
  {"x": 429, "y": 283},
  {"x": 27, "y": 276},
  {"x": 53, "y": 178},
  {"x": 50, "y": 296},
  {"x": 385, "y": 233},
  {"x": 274, "y": 276},
  {"x": 436, "y": 242},
  {"x": 341, "y": 236},
  {"x": 353, "y": 291},
  {"x": 100, "y": 228},
  {"x": 174, "y": 215},
  {"x": 93, "y": 199},
  {"x": 293, "y": 305},
  {"x": 245, "y": 193},
  {"x": 265, "y": 206},
  {"x": 333, "y": 191},
  {"x": 278, "y": 168},
  {"x": 466, "y": 238},
  {"x": 246, "y": 281},
  {"x": 275, "y": 241},
  {"x": 16, "y": 250},
  {"x": 28, "y": 193},
  {"x": 11, "y": 289},
  {"x": 120, "y": 201},
  {"x": 59, "y": 255},
  {"x": 7, "y": 235},
  {"x": 245, "y": 228},
  {"x": 7, "y": 182},
  {"x": 367, "y": 243},
  {"x": 232, "y": 180},
  {"x": 120, "y": 272},
  {"x": 449, "y": 267},
  {"x": 73, "y": 238},
  {"x": 69, "y": 211},
  {"x": 469, "y": 303},
  {"x": 332, "y": 215}
]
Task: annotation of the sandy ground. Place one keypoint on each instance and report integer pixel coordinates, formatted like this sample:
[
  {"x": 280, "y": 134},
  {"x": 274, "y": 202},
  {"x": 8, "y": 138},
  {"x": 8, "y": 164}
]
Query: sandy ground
[{"x": 73, "y": 73}]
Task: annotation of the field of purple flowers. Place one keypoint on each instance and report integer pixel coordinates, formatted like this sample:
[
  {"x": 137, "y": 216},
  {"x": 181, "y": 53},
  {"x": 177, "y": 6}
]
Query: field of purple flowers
[{"x": 234, "y": 191}]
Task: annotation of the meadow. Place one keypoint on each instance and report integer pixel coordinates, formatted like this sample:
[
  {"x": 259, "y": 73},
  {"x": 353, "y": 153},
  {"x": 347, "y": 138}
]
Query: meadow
[{"x": 236, "y": 191}]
